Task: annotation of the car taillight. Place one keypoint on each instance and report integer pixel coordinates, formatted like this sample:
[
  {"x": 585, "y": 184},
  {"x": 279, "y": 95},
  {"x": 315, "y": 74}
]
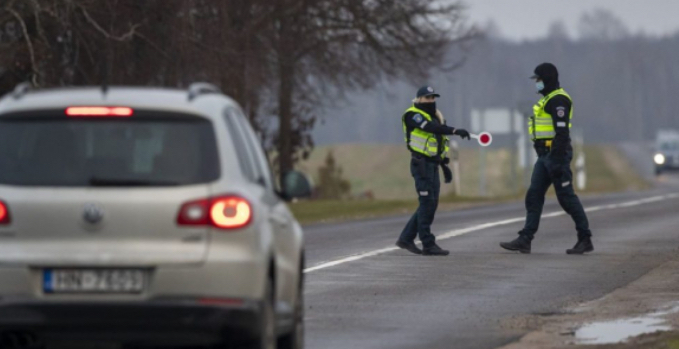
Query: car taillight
[
  {"x": 230, "y": 212},
  {"x": 194, "y": 213},
  {"x": 224, "y": 212},
  {"x": 99, "y": 111},
  {"x": 4, "y": 213}
]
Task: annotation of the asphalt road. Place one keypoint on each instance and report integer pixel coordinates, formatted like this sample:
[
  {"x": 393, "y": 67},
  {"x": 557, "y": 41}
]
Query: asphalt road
[{"x": 362, "y": 293}]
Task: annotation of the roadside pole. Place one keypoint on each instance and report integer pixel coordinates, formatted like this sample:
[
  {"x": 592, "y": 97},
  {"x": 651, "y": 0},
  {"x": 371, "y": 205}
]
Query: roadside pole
[
  {"x": 513, "y": 151},
  {"x": 455, "y": 157},
  {"x": 482, "y": 157},
  {"x": 580, "y": 168},
  {"x": 525, "y": 144}
]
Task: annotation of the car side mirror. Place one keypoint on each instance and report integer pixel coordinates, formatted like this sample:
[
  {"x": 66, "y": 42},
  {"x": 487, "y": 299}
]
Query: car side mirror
[{"x": 295, "y": 185}]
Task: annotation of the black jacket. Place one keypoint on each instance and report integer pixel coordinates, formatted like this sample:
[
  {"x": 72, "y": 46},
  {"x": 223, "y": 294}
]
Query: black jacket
[{"x": 559, "y": 107}]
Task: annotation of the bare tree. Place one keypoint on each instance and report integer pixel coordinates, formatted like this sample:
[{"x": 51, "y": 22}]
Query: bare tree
[
  {"x": 279, "y": 59},
  {"x": 558, "y": 31},
  {"x": 326, "y": 46},
  {"x": 602, "y": 25}
]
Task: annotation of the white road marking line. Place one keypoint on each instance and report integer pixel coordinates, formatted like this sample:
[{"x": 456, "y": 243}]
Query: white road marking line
[
  {"x": 351, "y": 259},
  {"x": 458, "y": 232}
]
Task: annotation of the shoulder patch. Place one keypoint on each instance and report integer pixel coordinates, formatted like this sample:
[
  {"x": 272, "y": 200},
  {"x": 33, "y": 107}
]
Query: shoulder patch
[
  {"x": 418, "y": 118},
  {"x": 560, "y": 111}
]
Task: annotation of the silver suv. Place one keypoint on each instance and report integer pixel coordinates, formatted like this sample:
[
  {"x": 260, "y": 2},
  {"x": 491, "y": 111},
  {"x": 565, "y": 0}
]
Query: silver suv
[{"x": 140, "y": 217}]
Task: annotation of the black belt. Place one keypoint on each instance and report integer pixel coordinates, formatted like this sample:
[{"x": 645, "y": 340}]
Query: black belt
[
  {"x": 543, "y": 143},
  {"x": 426, "y": 158},
  {"x": 542, "y": 146}
]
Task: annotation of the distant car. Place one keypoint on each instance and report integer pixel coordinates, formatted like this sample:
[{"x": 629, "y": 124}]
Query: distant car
[
  {"x": 666, "y": 155},
  {"x": 144, "y": 217}
]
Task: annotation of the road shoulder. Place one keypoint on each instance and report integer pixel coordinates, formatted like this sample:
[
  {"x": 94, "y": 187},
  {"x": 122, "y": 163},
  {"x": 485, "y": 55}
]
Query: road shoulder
[{"x": 656, "y": 291}]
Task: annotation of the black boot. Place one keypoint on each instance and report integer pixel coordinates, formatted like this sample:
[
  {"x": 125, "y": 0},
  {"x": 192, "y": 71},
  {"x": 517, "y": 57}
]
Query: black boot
[
  {"x": 520, "y": 244},
  {"x": 434, "y": 250},
  {"x": 583, "y": 246},
  {"x": 410, "y": 246}
]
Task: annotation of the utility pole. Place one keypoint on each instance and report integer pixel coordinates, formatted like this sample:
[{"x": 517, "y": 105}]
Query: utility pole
[
  {"x": 526, "y": 110},
  {"x": 455, "y": 157},
  {"x": 580, "y": 168},
  {"x": 513, "y": 151},
  {"x": 482, "y": 156}
]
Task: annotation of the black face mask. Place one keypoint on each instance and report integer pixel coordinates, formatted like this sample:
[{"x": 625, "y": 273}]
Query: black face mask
[{"x": 429, "y": 108}]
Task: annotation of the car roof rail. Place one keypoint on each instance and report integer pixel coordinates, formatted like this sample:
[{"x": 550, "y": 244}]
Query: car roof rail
[
  {"x": 200, "y": 88},
  {"x": 21, "y": 89}
]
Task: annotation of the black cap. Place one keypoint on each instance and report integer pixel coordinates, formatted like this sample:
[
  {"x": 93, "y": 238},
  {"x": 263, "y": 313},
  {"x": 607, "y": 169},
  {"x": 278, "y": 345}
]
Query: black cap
[
  {"x": 545, "y": 71},
  {"x": 427, "y": 91}
]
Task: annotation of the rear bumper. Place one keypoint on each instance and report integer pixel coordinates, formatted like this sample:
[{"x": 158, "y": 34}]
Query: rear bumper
[
  {"x": 156, "y": 322},
  {"x": 668, "y": 166},
  {"x": 240, "y": 279}
]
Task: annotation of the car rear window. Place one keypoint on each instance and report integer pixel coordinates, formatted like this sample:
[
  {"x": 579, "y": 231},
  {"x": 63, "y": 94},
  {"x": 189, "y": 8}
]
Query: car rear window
[{"x": 150, "y": 150}]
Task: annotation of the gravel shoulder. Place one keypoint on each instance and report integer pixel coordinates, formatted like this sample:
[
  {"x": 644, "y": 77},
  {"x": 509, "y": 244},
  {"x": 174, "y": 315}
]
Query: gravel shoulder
[{"x": 656, "y": 291}]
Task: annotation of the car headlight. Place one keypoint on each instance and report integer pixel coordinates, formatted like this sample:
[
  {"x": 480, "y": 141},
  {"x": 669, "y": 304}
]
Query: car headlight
[{"x": 659, "y": 159}]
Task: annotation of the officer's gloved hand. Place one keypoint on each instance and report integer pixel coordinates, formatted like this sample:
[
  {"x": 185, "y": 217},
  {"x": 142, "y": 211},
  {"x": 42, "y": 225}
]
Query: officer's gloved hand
[
  {"x": 462, "y": 133},
  {"x": 446, "y": 160},
  {"x": 447, "y": 174}
]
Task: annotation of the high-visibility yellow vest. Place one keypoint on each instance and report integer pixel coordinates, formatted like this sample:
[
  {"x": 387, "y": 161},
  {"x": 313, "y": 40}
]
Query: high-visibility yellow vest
[
  {"x": 421, "y": 141},
  {"x": 540, "y": 125}
]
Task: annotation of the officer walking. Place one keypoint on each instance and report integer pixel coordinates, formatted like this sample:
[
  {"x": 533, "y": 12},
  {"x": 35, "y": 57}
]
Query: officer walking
[
  {"x": 549, "y": 127},
  {"x": 425, "y": 135}
]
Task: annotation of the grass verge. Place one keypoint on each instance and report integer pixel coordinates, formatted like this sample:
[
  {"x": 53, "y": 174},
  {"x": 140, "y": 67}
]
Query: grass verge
[
  {"x": 324, "y": 211},
  {"x": 607, "y": 171}
]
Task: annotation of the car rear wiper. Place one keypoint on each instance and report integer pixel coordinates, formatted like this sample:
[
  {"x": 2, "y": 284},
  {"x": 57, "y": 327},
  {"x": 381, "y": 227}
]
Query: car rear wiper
[{"x": 121, "y": 182}]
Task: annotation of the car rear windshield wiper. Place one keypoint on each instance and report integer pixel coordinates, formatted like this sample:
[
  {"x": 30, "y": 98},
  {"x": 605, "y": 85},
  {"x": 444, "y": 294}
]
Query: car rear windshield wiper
[{"x": 121, "y": 182}]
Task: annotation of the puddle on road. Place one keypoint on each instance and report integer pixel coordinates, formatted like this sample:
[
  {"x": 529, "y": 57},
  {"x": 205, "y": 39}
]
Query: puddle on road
[{"x": 616, "y": 331}]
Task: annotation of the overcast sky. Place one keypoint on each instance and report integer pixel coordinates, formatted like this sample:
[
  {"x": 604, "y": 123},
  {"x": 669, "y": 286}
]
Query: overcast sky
[{"x": 530, "y": 19}]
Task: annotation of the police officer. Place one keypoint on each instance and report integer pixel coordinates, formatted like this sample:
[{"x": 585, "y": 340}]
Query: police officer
[
  {"x": 549, "y": 128},
  {"x": 425, "y": 135}
]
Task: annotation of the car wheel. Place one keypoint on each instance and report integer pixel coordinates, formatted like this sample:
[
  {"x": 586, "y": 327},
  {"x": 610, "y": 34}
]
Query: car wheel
[
  {"x": 264, "y": 335},
  {"x": 267, "y": 330},
  {"x": 295, "y": 339}
]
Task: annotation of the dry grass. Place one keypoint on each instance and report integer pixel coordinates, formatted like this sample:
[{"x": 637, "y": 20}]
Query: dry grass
[{"x": 384, "y": 170}]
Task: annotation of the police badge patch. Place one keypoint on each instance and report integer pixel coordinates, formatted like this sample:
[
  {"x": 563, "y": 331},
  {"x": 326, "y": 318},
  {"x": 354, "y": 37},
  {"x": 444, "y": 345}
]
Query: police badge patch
[
  {"x": 417, "y": 118},
  {"x": 560, "y": 111}
]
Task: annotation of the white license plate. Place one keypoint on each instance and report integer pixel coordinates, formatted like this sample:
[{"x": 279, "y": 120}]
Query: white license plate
[{"x": 93, "y": 280}]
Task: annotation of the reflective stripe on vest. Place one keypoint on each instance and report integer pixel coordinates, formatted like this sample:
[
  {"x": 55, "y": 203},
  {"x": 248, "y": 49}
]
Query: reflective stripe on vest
[
  {"x": 421, "y": 141},
  {"x": 540, "y": 125}
]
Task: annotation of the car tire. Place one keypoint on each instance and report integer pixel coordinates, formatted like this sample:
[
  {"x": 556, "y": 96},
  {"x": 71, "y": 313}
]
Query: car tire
[
  {"x": 295, "y": 339},
  {"x": 267, "y": 323},
  {"x": 264, "y": 336}
]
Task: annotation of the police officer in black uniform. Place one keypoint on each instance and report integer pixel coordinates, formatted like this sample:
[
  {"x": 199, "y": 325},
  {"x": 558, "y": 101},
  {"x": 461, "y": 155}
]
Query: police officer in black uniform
[
  {"x": 425, "y": 133},
  {"x": 549, "y": 128}
]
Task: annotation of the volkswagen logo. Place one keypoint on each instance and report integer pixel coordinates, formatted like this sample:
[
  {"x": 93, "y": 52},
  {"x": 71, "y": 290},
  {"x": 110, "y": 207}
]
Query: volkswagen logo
[{"x": 93, "y": 214}]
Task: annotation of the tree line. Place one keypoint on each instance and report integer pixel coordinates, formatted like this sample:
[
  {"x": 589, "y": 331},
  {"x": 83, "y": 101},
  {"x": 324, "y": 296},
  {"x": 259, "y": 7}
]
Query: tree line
[
  {"x": 624, "y": 85},
  {"x": 280, "y": 59}
]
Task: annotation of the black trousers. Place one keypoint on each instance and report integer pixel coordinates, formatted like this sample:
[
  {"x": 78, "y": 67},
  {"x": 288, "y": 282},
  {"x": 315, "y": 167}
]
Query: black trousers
[
  {"x": 535, "y": 197},
  {"x": 427, "y": 185}
]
